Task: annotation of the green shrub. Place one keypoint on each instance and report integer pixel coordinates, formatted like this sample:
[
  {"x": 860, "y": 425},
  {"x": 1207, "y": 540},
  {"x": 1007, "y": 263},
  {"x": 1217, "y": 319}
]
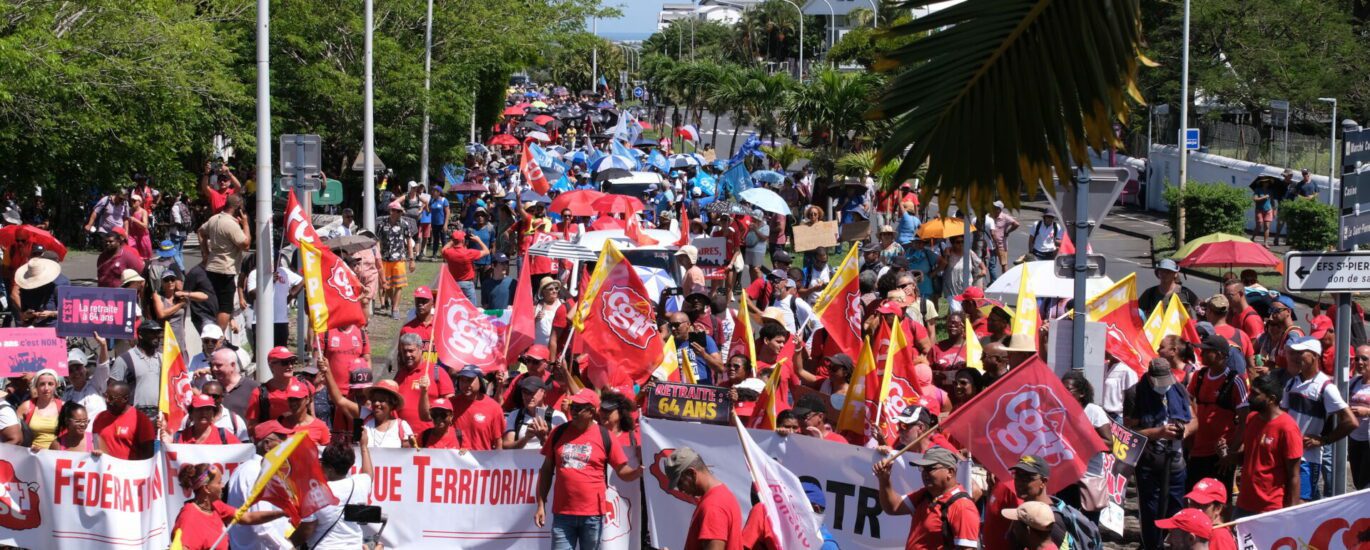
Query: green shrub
[
  {"x": 1312, "y": 225},
  {"x": 1210, "y": 208}
]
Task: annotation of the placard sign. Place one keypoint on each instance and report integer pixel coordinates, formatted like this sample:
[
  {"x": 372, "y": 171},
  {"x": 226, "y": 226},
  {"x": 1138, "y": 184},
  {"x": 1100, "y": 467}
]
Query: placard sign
[
  {"x": 86, "y": 310},
  {"x": 25, "y": 350},
  {"x": 818, "y": 235},
  {"x": 690, "y": 402},
  {"x": 1118, "y": 467},
  {"x": 713, "y": 251}
]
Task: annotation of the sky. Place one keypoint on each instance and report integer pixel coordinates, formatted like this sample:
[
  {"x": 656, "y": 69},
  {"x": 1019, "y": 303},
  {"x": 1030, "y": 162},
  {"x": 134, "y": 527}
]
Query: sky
[{"x": 638, "y": 21}]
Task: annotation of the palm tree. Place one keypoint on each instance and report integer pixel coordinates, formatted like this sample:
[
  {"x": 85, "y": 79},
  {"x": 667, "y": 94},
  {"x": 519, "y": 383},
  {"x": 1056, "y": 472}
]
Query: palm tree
[
  {"x": 834, "y": 104},
  {"x": 769, "y": 97},
  {"x": 785, "y": 154},
  {"x": 735, "y": 93},
  {"x": 1004, "y": 91}
]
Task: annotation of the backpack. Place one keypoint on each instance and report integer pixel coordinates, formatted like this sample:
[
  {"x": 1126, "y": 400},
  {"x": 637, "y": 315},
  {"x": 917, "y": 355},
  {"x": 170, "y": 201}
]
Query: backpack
[
  {"x": 1081, "y": 532},
  {"x": 948, "y": 537}
]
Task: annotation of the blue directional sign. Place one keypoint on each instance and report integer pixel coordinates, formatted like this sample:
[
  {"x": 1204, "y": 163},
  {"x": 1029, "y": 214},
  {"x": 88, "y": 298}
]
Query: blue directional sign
[
  {"x": 1191, "y": 139},
  {"x": 638, "y": 92}
]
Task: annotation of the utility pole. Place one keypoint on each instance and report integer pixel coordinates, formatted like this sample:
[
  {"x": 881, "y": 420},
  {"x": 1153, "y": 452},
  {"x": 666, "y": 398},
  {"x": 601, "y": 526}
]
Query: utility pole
[
  {"x": 368, "y": 131},
  {"x": 427, "y": 86},
  {"x": 801, "y": 39},
  {"x": 1184, "y": 122},
  {"x": 265, "y": 286}
]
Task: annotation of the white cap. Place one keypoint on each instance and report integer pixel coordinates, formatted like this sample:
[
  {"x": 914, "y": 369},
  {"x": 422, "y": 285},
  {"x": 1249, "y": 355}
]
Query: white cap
[
  {"x": 413, "y": 183},
  {"x": 1306, "y": 344},
  {"x": 754, "y": 384},
  {"x": 211, "y": 330},
  {"x": 77, "y": 357},
  {"x": 999, "y": 204}
]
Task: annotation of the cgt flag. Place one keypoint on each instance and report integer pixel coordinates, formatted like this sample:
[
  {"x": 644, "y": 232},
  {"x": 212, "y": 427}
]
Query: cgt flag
[
  {"x": 519, "y": 334},
  {"x": 1027, "y": 412},
  {"x": 330, "y": 287},
  {"x": 1117, "y": 308},
  {"x": 1337, "y": 523},
  {"x": 532, "y": 173},
  {"x": 463, "y": 334},
  {"x": 839, "y": 306},
  {"x": 620, "y": 332},
  {"x": 174, "y": 399},
  {"x": 293, "y": 480},
  {"x": 787, "y": 508}
]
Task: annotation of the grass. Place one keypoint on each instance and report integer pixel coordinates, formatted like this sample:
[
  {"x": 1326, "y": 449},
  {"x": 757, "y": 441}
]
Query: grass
[{"x": 383, "y": 330}]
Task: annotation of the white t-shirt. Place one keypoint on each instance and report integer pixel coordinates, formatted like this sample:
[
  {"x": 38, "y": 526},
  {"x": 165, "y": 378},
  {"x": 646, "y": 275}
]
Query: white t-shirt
[
  {"x": 1317, "y": 388},
  {"x": 1044, "y": 236},
  {"x": 267, "y": 535},
  {"x": 519, "y": 431},
  {"x": 7, "y": 416},
  {"x": 1120, "y": 377},
  {"x": 1360, "y": 397},
  {"x": 392, "y": 438},
  {"x": 331, "y": 532},
  {"x": 285, "y": 279},
  {"x": 1096, "y": 415}
]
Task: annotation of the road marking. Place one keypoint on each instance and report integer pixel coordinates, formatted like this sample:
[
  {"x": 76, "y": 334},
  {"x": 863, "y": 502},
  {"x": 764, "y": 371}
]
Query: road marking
[{"x": 1140, "y": 220}]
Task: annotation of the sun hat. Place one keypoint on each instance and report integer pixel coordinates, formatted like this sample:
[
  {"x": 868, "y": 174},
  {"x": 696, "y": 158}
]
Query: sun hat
[{"x": 37, "y": 272}]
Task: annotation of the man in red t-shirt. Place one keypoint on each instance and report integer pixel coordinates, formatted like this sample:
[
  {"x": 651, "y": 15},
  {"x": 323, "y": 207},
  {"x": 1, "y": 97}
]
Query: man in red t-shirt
[
  {"x": 1189, "y": 528},
  {"x": 717, "y": 521},
  {"x": 422, "y": 323},
  {"x": 298, "y": 417},
  {"x": 420, "y": 383},
  {"x": 1272, "y": 449},
  {"x": 460, "y": 261},
  {"x": 996, "y": 527},
  {"x": 342, "y": 346},
  {"x": 1240, "y": 314},
  {"x": 1210, "y": 497},
  {"x": 1218, "y": 398},
  {"x": 575, "y": 460},
  {"x": 941, "y": 500},
  {"x": 282, "y": 363},
  {"x": 122, "y": 431},
  {"x": 479, "y": 417}
]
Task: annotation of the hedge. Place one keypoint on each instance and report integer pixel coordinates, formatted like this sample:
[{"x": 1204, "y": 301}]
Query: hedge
[
  {"x": 1310, "y": 224},
  {"x": 1210, "y": 208}
]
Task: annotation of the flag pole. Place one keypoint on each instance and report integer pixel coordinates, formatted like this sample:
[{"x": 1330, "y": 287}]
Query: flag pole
[{"x": 909, "y": 447}]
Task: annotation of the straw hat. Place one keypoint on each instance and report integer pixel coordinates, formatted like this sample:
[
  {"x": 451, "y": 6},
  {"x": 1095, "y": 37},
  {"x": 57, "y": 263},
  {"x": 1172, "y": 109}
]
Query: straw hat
[
  {"x": 1022, "y": 342},
  {"x": 37, "y": 272}
]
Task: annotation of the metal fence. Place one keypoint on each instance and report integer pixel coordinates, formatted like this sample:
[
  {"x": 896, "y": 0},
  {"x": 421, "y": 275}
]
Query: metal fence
[{"x": 1244, "y": 142}]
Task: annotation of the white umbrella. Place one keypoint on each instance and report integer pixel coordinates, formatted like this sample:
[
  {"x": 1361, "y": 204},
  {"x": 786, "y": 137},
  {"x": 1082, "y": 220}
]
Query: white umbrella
[
  {"x": 563, "y": 250},
  {"x": 1045, "y": 283},
  {"x": 540, "y": 136},
  {"x": 655, "y": 280}
]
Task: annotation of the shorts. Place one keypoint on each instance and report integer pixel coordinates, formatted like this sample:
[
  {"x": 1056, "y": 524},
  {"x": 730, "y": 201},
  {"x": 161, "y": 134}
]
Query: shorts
[
  {"x": 1265, "y": 217},
  {"x": 394, "y": 274},
  {"x": 225, "y": 290},
  {"x": 425, "y": 230}
]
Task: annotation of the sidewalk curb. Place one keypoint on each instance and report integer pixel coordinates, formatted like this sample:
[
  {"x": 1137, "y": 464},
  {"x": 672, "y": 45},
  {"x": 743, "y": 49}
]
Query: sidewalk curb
[{"x": 1116, "y": 229}]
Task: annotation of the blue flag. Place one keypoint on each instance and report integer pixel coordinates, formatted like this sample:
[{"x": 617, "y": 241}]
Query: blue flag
[
  {"x": 623, "y": 150},
  {"x": 737, "y": 179},
  {"x": 658, "y": 161},
  {"x": 706, "y": 183},
  {"x": 454, "y": 175},
  {"x": 540, "y": 156},
  {"x": 595, "y": 155},
  {"x": 751, "y": 147}
]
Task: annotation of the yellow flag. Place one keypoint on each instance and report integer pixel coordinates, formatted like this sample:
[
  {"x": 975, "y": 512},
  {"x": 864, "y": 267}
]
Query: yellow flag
[
  {"x": 609, "y": 258},
  {"x": 847, "y": 271},
  {"x": 688, "y": 370},
  {"x": 274, "y": 460},
  {"x": 853, "y": 415},
  {"x": 744, "y": 324},
  {"x": 897, "y": 345},
  {"x": 1152, "y": 327},
  {"x": 1122, "y": 294},
  {"x": 1176, "y": 317},
  {"x": 973, "y": 349},
  {"x": 670, "y": 360},
  {"x": 1025, "y": 319}
]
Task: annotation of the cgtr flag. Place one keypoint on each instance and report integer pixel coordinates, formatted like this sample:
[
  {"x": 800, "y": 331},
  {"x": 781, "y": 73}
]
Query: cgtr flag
[{"x": 620, "y": 332}]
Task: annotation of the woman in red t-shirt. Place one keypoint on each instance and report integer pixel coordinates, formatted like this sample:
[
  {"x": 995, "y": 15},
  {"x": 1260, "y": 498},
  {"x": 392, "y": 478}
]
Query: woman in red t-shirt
[
  {"x": 950, "y": 351},
  {"x": 201, "y": 521},
  {"x": 200, "y": 428},
  {"x": 443, "y": 435}
]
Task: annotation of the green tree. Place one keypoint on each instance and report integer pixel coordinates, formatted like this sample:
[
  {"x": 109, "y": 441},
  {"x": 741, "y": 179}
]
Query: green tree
[
  {"x": 831, "y": 107},
  {"x": 712, "y": 40}
]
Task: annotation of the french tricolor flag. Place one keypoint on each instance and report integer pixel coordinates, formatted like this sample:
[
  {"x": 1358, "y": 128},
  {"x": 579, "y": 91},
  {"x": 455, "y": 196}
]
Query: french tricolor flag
[{"x": 688, "y": 132}]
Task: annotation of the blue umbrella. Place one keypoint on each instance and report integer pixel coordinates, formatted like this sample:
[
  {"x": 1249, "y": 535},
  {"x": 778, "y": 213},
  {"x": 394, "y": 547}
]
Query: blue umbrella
[
  {"x": 614, "y": 161},
  {"x": 682, "y": 161},
  {"x": 532, "y": 196},
  {"x": 765, "y": 199},
  {"x": 768, "y": 176}
]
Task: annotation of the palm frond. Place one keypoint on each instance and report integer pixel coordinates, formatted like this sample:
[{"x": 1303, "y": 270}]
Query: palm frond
[{"x": 1001, "y": 92}]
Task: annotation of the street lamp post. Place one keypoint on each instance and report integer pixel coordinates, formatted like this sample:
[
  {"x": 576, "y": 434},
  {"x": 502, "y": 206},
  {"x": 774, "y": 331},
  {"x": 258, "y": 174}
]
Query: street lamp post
[
  {"x": 265, "y": 298},
  {"x": 875, "y": 7},
  {"x": 1184, "y": 120},
  {"x": 594, "y": 56},
  {"x": 368, "y": 131},
  {"x": 1338, "y": 481},
  {"x": 427, "y": 86},
  {"x": 801, "y": 39}
]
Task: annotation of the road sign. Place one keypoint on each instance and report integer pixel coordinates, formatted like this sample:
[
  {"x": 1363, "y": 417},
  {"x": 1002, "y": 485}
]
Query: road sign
[
  {"x": 638, "y": 92},
  {"x": 311, "y": 183},
  {"x": 1105, "y": 184},
  {"x": 358, "y": 167},
  {"x": 1327, "y": 271},
  {"x": 301, "y": 152},
  {"x": 1191, "y": 139},
  {"x": 1279, "y": 112},
  {"x": 1065, "y": 266}
]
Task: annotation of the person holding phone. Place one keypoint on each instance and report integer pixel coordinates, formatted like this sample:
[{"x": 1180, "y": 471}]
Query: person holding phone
[
  {"x": 224, "y": 238},
  {"x": 698, "y": 347},
  {"x": 1161, "y": 412}
]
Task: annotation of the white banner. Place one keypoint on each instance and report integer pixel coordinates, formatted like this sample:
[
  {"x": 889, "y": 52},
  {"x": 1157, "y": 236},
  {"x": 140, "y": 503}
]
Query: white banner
[
  {"x": 226, "y": 457},
  {"x": 482, "y": 499},
  {"x": 73, "y": 500},
  {"x": 1339, "y": 523},
  {"x": 787, "y": 506},
  {"x": 844, "y": 471}
]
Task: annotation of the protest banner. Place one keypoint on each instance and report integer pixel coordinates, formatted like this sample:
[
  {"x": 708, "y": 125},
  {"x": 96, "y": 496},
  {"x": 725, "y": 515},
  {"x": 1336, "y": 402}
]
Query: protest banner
[
  {"x": 844, "y": 471},
  {"x": 25, "y": 350},
  {"x": 1336, "y": 523},
  {"x": 226, "y": 457},
  {"x": 85, "y": 310},
  {"x": 818, "y": 235},
  {"x": 60, "y": 499},
  {"x": 1118, "y": 467},
  {"x": 713, "y": 251},
  {"x": 690, "y": 402}
]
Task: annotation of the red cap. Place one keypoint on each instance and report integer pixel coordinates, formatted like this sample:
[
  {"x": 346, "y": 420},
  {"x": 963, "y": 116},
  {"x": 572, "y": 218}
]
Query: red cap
[
  {"x": 202, "y": 400},
  {"x": 1318, "y": 326},
  {"x": 459, "y": 236},
  {"x": 281, "y": 353},
  {"x": 296, "y": 390},
  {"x": 1189, "y": 520},
  {"x": 586, "y": 397},
  {"x": 971, "y": 293},
  {"x": 890, "y": 307},
  {"x": 441, "y": 404},
  {"x": 119, "y": 230},
  {"x": 1208, "y": 491},
  {"x": 265, "y": 429},
  {"x": 423, "y": 293},
  {"x": 538, "y": 351},
  {"x": 744, "y": 408}
]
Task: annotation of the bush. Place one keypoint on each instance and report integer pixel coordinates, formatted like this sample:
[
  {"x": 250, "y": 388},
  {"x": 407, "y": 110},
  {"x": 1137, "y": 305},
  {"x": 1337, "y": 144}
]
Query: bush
[
  {"x": 1311, "y": 225},
  {"x": 1210, "y": 208}
]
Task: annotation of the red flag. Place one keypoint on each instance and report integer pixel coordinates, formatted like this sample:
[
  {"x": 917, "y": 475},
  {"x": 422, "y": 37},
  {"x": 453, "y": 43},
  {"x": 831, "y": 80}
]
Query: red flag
[
  {"x": 769, "y": 403},
  {"x": 619, "y": 332},
  {"x": 464, "y": 335},
  {"x": 294, "y": 479},
  {"x": 839, "y": 306},
  {"x": 176, "y": 392},
  {"x": 332, "y": 290},
  {"x": 1117, "y": 309},
  {"x": 634, "y": 232},
  {"x": 532, "y": 173},
  {"x": 684, "y": 225},
  {"x": 519, "y": 334},
  {"x": 1027, "y": 412},
  {"x": 1068, "y": 246}
]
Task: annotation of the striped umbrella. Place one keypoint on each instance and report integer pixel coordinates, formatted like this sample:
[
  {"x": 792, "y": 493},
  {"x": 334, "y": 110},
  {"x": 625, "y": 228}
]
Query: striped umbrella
[
  {"x": 613, "y": 161},
  {"x": 563, "y": 250}
]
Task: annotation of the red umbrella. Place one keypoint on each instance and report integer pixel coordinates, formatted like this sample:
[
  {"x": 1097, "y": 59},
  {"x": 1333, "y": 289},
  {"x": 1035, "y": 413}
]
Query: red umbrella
[
  {"x": 1230, "y": 254},
  {"x": 515, "y": 111},
  {"x": 505, "y": 140},
  {"x": 580, "y": 202},
  {"x": 542, "y": 120},
  {"x": 607, "y": 222},
  {"x": 28, "y": 235},
  {"x": 644, "y": 124},
  {"x": 617, "y": 204}
]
